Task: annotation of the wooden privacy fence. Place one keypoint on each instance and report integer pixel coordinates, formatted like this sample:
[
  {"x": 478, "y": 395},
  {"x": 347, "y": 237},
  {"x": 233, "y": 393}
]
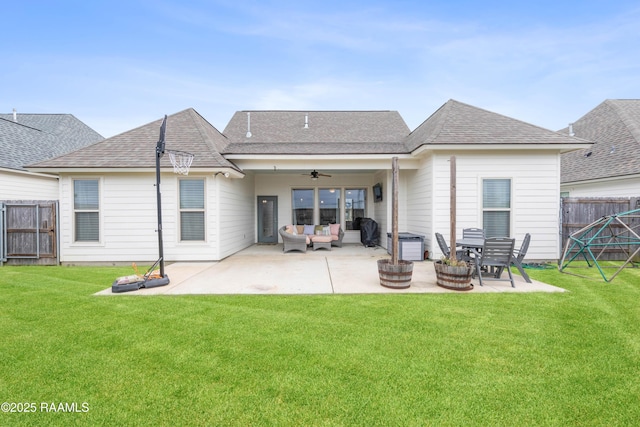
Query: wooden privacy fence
[
  {"x": 28, "y": 232},
  {"x": 578, "y": 212}
]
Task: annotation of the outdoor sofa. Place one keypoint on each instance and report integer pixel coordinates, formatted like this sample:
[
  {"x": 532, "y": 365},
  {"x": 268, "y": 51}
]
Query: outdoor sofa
[{"x": 299, "y": 237}]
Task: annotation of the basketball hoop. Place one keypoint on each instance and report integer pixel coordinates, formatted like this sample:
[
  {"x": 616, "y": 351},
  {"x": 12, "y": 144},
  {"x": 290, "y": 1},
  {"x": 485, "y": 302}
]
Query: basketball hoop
[{"x": 181, "y": 161}]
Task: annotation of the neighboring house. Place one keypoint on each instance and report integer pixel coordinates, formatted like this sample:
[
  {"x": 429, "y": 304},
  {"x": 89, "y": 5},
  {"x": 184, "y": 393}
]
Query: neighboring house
[
  {"x": 508, "y": 181},
  {"x": 611, "y": 166},
  {"x": 30, "y": 138}
]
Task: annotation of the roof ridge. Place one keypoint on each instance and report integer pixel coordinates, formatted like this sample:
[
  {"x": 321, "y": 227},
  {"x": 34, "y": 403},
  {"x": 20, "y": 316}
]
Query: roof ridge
[
  {"x": 633, "y": 126},
  {"x": 200, "y": 121},
  {"x": 23, "y": 125}
]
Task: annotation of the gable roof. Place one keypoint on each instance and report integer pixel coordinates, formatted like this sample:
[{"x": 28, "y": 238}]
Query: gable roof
[
  {"x": 456, "y": 123},
  {"x": 35, "y": 137},
  {"x": 185, "y": 131},
  {"x": 614, "y": 127},
  {"x": 315, "y": 132}
]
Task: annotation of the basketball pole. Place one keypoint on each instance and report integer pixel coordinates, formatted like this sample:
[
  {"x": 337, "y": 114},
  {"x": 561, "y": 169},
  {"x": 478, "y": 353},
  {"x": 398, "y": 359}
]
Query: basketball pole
[{"x": 159, "y": 153}]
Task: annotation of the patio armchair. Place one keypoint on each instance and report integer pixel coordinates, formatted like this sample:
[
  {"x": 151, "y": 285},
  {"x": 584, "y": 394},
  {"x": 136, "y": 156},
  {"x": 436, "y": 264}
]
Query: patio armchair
[
  {"x": 495, "y": 257},
  {"x": 293, "y": 242}
]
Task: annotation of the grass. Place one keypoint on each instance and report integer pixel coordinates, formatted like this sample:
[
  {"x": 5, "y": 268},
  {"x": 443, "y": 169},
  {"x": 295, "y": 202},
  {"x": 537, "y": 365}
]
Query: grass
[{"x": 424, "y": 359}]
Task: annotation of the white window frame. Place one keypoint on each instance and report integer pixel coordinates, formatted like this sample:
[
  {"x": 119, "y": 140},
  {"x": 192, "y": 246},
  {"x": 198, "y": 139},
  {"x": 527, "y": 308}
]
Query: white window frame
[
  {"x": 509, "y": 209},
  {"x": 76, "y": 211},
  {"x": 182, "y": 210}
]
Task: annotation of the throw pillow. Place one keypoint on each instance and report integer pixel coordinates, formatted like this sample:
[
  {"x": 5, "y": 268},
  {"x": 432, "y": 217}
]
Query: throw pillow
[
  {"x": 326, "y": 231},
  {"x": 317, "y": 230},
  {"x": 335, "y": 229},
  {"x": 289, "y": 229},
  {"x": 308, "y": 229}
]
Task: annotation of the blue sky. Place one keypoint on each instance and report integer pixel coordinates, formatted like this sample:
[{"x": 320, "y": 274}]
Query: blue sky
[{"x": 117, "y": 65}]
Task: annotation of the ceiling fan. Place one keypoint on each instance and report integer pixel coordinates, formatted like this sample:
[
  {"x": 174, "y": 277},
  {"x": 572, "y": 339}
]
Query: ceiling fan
[{"x": 315, "y": 174}]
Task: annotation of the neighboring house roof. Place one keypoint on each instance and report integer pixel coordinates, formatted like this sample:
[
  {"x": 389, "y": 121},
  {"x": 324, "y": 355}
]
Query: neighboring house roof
[
  {"x": 456, "y": 123},
  {"x": 614, "y": 127},
  {"x": 35, "y": 137},
  {"x": 186, "y": 131},
  {"x": 315, "y": 132}
]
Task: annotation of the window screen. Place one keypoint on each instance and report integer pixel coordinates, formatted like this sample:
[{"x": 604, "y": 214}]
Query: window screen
[
  {"x": 192, "y": 225},
  {"x": 496, "y": 205},
  {"x": 86, "y": 206}
]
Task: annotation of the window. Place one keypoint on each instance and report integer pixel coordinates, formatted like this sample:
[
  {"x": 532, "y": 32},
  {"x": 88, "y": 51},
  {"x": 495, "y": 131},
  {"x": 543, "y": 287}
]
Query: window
[
  {"x": 302, "y": 204},
  {"x": 192, "y": 210},
  {"x": 496, "y": 207},
  {"x": 329, "y": 206},
  {"x": 355, "y": 207},
  {"x": 86, "y": 209}
]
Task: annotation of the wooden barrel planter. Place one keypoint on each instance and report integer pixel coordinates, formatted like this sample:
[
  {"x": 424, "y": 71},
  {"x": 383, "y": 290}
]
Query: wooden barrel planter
[
  {"x": 395, "y": 276},
  {"x": 457, "y": 278}
]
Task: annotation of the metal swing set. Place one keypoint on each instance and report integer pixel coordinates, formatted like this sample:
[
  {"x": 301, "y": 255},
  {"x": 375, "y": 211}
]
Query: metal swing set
[{"x": 619, "y": 231}]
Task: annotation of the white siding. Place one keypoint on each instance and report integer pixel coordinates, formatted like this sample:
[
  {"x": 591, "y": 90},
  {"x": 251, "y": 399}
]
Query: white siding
[
  {"x": 237, "y": 214},
  {"x": 27, "y": 186},
  {"x": 622, "y": 187},
  {"x": 420, "y": 202},
  {"x": 129, "y": 220},
  {"x": 535, "y": 190}
]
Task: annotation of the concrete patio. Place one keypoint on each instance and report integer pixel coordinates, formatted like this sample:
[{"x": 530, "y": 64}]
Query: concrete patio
[{"x": 265, "y": 269}]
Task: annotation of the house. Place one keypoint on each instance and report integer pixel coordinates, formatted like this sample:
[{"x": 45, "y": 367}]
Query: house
[
  {"x": 272, "y": 168},
  {"x": 30, "y": 138},
  {"x": 611, "y": 166}
]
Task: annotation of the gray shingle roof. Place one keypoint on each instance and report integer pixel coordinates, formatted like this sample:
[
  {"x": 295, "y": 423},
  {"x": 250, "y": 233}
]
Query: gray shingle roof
[
  {"x": 614, "y": 127},
  {"x": 186, "y": 131},
  {"x": 306, "y": 133},
  {"x": 462, "y": 124},
  {"x": 327, "y": 132},
  {"x": 36, "y": 137}
]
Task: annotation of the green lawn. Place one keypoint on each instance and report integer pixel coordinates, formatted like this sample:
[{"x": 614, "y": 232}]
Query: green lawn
[{"x": 403, "y": 360}]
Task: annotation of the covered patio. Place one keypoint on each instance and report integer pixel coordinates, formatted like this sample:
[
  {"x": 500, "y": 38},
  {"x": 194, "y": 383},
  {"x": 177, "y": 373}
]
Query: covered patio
[{"x": 265, "y": 269}]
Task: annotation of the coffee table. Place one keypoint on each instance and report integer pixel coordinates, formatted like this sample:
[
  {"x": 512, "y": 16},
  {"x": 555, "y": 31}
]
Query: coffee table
[{"x": 321, "y": 245}]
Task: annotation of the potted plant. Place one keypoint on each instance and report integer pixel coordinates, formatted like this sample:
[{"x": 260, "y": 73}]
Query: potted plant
[
  {"x": 395, "y": 273},
  {"x": 453, "y": 273}
]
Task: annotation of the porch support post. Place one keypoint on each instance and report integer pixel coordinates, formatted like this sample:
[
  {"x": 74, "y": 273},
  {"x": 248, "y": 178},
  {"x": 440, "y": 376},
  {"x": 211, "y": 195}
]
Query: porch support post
[
  {"x": 452, "y": 204},
  {"x": 394, "y": 212}
]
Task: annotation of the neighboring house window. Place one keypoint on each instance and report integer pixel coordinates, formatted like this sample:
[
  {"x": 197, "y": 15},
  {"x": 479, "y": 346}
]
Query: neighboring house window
[
  {"x": 496, "y": 207},
  {"x": 302, "y": 205},
  {"x": 192, "y": 210},
  {"x": 355, "y": 207},
  {"x": 329, "y": 205},
  {"x": 86, "y": 208}
]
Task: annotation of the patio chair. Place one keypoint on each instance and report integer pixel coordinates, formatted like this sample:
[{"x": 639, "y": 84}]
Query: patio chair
[
  {"x": 518, "y": 256},
  {"x": 293, "y": 242},
  {"x": 446, "y": 251},
  {"x": 473, "y": 233},
  {"x": 495, "y": 257}
]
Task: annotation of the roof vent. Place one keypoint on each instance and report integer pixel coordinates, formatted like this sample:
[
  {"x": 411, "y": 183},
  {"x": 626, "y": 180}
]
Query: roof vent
[
  {"x": 306, "y": 121},
  {"x": 571, "y": 132},
  {"x": 248, "y": 125},
  {"x": 15, "y": 115}
]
